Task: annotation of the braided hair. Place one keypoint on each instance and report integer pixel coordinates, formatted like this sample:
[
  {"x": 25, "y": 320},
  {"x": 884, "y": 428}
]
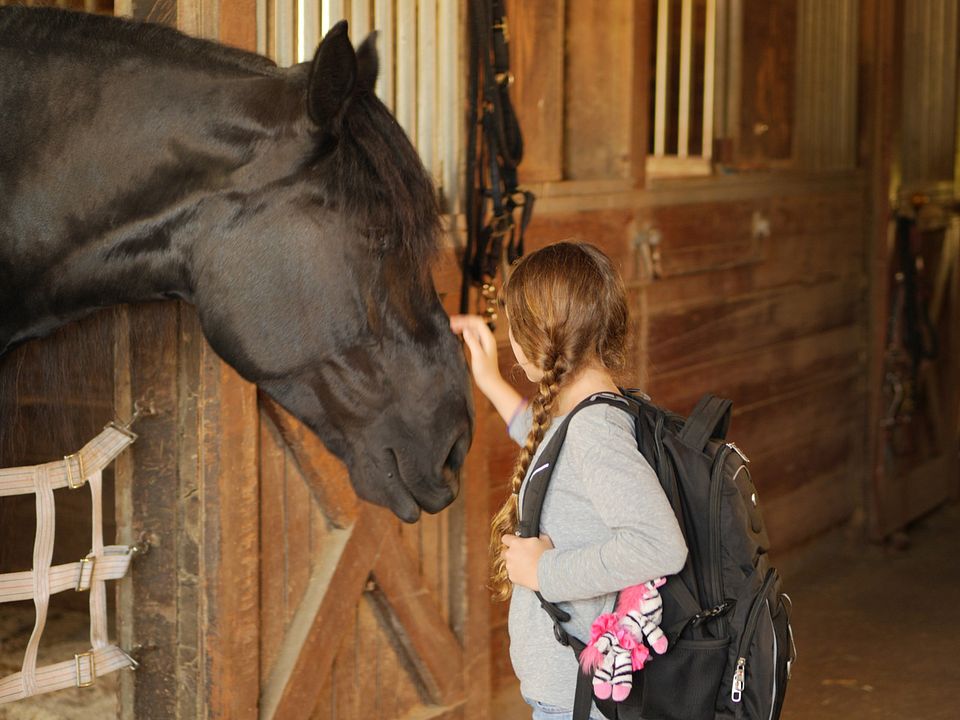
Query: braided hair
[{"x": 567, "y": 309}]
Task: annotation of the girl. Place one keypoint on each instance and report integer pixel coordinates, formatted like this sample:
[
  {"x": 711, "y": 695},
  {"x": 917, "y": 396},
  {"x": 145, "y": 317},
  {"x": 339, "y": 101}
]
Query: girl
[{"x": 606, "y": 522}]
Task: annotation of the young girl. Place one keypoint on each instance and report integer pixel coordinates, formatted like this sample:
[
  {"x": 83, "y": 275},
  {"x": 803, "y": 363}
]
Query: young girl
[{"x": 606, "y": 522}]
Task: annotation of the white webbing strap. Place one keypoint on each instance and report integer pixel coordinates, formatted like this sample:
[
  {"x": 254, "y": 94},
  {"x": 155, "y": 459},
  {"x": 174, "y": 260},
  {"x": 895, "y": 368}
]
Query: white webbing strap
[
  {"x": 70, "y": 576},
  {"x": 74, "y": 469},
  {"x": 101, "y": 564}
]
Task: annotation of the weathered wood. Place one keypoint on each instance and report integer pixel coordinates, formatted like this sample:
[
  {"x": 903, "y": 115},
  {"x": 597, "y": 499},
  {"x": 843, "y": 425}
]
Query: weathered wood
[
  {"x": 537, "y": 61},
  {"x": 148, "y": 595},
  {"x": 681, "y": 337},
  {"x": 597, "y": 111},
  {"x": 419, "y": 624},
  {"x": 273, "y": 585},
  {"x": 326, "y": 475},
  {"x": 229, "y": 540},
  {"x": 471, "y": 581},
  {"x": 767, "y": 87},
  {"x": 756, "y": 375},
  {"x": 808, "y": 510},
  {"x": 292, "y": 689}
]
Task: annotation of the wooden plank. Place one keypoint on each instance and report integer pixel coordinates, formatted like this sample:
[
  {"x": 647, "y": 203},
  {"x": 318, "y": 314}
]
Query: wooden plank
[
  {"x": 229, "y": 540},
  {"x": 273, "y": 583},
  {"x": 348, "y": 696},
  {"x": 148, "y": 598},
  {"x": 767, "y": 100},
  {"x": 328, "y": 478},
  {"x": 537, "y": 63},
  {"x": 609, "y": 231},
  {"x": 809, "y": 510},
  {"x": 686, "y": 337},
  {"x": 787, "y": 262},
  {"x": 295, "y": 535},
  {"x": 471, "y": 582},
  {"x": 640, "y": 91},
  {"x": 433, "y": 649},
  {"x": 304, "y": 662},
  {"x": 759, "y": 374},
  {"x": 599, "y": 53},
  {"x": 238, "y": 23}
]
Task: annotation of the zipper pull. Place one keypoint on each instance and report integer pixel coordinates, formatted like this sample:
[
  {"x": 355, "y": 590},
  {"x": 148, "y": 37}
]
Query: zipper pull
[
  {"x": 738, "y": 451},
  {"x": 739, "y": 676}
]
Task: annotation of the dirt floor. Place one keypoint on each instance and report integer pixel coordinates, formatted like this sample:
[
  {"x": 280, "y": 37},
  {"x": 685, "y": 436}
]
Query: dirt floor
[
  {"x": 877, "y": 628},
  {"x": 877, "y": 631},
  {"x": 67, "y": 632}
]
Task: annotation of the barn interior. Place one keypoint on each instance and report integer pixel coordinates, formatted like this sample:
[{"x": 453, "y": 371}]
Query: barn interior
[{"x": 778, "y": 182}]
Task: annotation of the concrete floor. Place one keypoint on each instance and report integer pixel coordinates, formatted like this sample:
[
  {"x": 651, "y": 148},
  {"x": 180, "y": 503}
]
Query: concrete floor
[{"x": 877, "y": 628}]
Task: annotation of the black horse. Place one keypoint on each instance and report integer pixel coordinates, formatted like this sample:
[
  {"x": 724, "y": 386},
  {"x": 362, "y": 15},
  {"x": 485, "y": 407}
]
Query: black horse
[{"x": 287, "y": 205}]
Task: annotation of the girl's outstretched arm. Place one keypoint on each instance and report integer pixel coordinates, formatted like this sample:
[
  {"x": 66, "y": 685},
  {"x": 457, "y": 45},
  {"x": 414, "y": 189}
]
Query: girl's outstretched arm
[{"x": 483, "y": 363}]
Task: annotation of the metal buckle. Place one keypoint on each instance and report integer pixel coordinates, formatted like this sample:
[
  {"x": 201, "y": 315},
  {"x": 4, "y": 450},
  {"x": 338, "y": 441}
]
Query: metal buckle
[
  {"x": 93, "y": 668},
  {"x": 90, "y": 560},
  {"x": 82, "y": 476},
  {"x": 712, "y": 612},
  {"x": 124, "y": 429}
]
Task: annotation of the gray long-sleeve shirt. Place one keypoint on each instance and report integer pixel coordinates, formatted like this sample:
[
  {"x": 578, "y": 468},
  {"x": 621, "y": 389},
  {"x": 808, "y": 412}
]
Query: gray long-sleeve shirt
[{"x": 611, "y": 526}]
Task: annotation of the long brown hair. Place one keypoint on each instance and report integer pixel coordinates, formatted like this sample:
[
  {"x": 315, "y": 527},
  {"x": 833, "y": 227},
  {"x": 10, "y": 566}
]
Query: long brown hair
[{"x": 567, "y": 309}]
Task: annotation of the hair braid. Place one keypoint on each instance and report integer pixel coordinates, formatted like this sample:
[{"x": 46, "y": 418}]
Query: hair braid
[{"x": 507, "y": 520}]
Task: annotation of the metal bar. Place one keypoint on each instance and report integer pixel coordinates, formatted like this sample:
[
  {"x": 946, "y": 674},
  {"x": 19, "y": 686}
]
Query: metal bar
[
  {"x": 709, "y": 61},
  {"x": 286, "y": 36},
  {"x": 332, "y": 12},
  {"x": 308, "y": 28},
  {"x": 663, "y": 62},
  {"x": 449, "y": 104},
  {"x": 360, "y": 20},
  {"x": 427, "y": 83},
  {"x": 262, "y": 26},
  {"x": 406, "y": 62},
  {"x": 383, "y": 20},
  {"x": 686, "y": 50}
]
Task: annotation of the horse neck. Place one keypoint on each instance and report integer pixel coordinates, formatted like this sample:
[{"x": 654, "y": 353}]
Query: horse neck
[{"x": 188, "y": 141}]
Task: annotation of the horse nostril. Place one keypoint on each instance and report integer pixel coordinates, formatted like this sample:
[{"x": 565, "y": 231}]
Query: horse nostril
[{"x": 458, "y": 452}]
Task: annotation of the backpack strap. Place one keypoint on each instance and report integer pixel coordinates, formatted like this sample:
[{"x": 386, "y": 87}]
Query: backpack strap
[
  {"x": 538, "y": 480},
  {"x": 709, "y": 419},
  {"x": 534, "y": 492}
]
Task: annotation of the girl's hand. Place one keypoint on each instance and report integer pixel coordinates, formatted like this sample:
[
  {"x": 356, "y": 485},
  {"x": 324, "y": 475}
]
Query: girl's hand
[
  {"x": 483, "y": 349},
  {"x": 522, "y": 556}
]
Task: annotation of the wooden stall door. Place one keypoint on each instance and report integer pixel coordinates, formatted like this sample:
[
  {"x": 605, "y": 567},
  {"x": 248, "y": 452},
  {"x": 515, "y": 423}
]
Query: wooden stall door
[{"x": 358, "y": 611}]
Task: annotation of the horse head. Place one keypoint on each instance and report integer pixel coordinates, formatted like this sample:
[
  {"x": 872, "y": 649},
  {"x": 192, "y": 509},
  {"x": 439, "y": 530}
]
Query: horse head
[
  {"x": 287, "y": 205},
  {"x": 331, "y": 309}
]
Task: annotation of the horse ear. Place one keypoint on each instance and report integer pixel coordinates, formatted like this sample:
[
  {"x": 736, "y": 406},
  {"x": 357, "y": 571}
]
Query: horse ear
[
  {"x": 333, "y": 75},
  {"x": 368, "y": 63}
]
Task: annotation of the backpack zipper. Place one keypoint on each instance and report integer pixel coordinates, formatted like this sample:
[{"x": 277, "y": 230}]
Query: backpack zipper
[
  {"x": 740, "y": 674},
  {"x": 716, "y": 575},
  {"x": 773, "y": 697}
]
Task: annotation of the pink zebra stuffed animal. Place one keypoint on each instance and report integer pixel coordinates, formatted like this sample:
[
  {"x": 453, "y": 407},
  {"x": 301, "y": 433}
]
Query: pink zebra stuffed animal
[{"x": 616, "y": 648}]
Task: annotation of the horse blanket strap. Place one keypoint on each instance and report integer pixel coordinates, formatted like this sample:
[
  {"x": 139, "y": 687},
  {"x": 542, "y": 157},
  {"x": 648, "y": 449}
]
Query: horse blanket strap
[{"x": 87, "y": 574}]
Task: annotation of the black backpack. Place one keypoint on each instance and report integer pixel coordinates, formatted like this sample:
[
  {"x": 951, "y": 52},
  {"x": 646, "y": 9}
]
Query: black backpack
[{"x": 725, "y": 617}]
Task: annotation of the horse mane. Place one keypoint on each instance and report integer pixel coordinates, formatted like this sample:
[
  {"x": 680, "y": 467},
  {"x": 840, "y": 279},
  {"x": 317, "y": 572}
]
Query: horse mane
[
  {"x": 84, "y": 34},
  {"x": 373, "y": 170}
]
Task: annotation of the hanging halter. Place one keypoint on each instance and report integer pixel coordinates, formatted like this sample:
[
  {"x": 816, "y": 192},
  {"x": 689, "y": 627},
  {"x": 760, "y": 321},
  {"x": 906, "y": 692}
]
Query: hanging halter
[{"x": 494, "y": 237}]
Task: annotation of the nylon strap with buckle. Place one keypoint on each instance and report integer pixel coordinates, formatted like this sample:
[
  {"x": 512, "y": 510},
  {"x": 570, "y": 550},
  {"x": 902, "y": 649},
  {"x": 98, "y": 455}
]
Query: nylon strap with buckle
[{"x": 86, "y": 575}]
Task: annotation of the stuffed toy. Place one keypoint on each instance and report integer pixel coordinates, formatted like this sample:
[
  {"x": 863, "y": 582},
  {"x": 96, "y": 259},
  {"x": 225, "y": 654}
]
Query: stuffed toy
[{"x": 616, "y": 648}]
